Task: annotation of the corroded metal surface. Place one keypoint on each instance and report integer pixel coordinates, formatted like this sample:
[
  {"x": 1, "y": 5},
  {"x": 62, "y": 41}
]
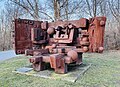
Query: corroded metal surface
[
  {"x": 96, "y": 34},
  {"x": 59, "y": 43}
]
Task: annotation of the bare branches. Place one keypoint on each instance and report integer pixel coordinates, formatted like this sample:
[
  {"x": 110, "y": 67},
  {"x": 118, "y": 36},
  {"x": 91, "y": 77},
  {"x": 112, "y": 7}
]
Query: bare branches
[
  {"x": 23, "y": 6},
  {"x": 89, "y": 8},
  {"x": 46, "y": 15},
  {"x": 114, "y": 10},
  {"x": 32, "y": 7}
]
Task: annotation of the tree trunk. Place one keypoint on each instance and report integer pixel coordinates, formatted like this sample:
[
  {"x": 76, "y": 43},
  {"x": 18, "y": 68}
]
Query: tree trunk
[
  {"x": 66, "y": 9},
  {"x": 56, "y": 9},
  {"x": 94, "y": 8},
  {"x": 36, "y": 10}
]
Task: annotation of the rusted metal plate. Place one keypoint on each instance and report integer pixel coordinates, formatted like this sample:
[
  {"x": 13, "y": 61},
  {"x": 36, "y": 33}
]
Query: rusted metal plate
[
  {"x": 23, "y": 34},
  {"x": 96, "y": 34},
  {"x": 81, "y": 23}
]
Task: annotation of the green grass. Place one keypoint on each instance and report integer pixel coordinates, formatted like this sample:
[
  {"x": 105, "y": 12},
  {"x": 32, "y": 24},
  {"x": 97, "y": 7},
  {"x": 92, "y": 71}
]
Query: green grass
[{"x": 104, "y": 72}]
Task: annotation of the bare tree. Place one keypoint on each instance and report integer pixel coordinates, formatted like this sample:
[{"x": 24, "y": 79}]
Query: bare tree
[
  {"x": 9, "y": 13},
  {"x": 115, "y": 9},
  {"x": 114, "y": 6},
  {"x": 93, "y": 7},
  {"x": 32, "y": 7},
  {"x": 65, "y": 9},
  {"x": 3, "y": 30}
]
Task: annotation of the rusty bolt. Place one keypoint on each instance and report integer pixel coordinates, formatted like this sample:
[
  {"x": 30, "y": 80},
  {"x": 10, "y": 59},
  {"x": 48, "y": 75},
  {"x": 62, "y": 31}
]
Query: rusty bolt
[
  {"x": 100, "y": 49},
  {"x": 18, "y": 51},
  {"x": 70, "y": 26},
  {"x": 102, "y": 23},
  {"x": 50, "y": 30},
  {"x": 31, "y": 22},
  {"x": 85, "y": 39},
  {"x": 85, "y": 49},
  {"x": 73, "y": 54}
]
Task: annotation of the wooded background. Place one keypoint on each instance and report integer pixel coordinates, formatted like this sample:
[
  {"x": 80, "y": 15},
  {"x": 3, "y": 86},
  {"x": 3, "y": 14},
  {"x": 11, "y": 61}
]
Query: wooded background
[{"x": 51, "y": 10}]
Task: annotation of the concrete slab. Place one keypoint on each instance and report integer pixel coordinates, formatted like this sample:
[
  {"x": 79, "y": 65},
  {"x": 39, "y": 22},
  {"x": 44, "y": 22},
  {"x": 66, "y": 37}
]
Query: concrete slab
[
  {"x": 24, "y": 69},
  {"x": 4, "y": 55},
  {"x": 74, "y": 72}
]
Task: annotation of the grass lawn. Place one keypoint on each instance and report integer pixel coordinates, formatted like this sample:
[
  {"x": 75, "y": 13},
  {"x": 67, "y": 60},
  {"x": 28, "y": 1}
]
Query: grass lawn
[{"x": 104, "y": 72}]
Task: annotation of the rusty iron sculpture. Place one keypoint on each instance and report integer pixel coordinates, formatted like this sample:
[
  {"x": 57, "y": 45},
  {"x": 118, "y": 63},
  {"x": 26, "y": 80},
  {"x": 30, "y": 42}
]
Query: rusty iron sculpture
[{"x": 58, "y": 43}]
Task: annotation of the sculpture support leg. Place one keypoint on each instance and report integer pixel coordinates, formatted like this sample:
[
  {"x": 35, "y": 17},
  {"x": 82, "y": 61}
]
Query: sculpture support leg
[
  {"x": 79, "y": 59},
  {"x": 38, "y": 66},
  {"x": 58, "y": 63},
  {"x": 62, "y": 68},
  {"x": 37, "y": 63}
]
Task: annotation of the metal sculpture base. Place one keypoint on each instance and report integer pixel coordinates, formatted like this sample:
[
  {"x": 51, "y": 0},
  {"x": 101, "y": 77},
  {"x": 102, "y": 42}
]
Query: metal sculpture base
[
  {"x": 59, "y": 62},
  {"x": 74, "y": 72}
]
